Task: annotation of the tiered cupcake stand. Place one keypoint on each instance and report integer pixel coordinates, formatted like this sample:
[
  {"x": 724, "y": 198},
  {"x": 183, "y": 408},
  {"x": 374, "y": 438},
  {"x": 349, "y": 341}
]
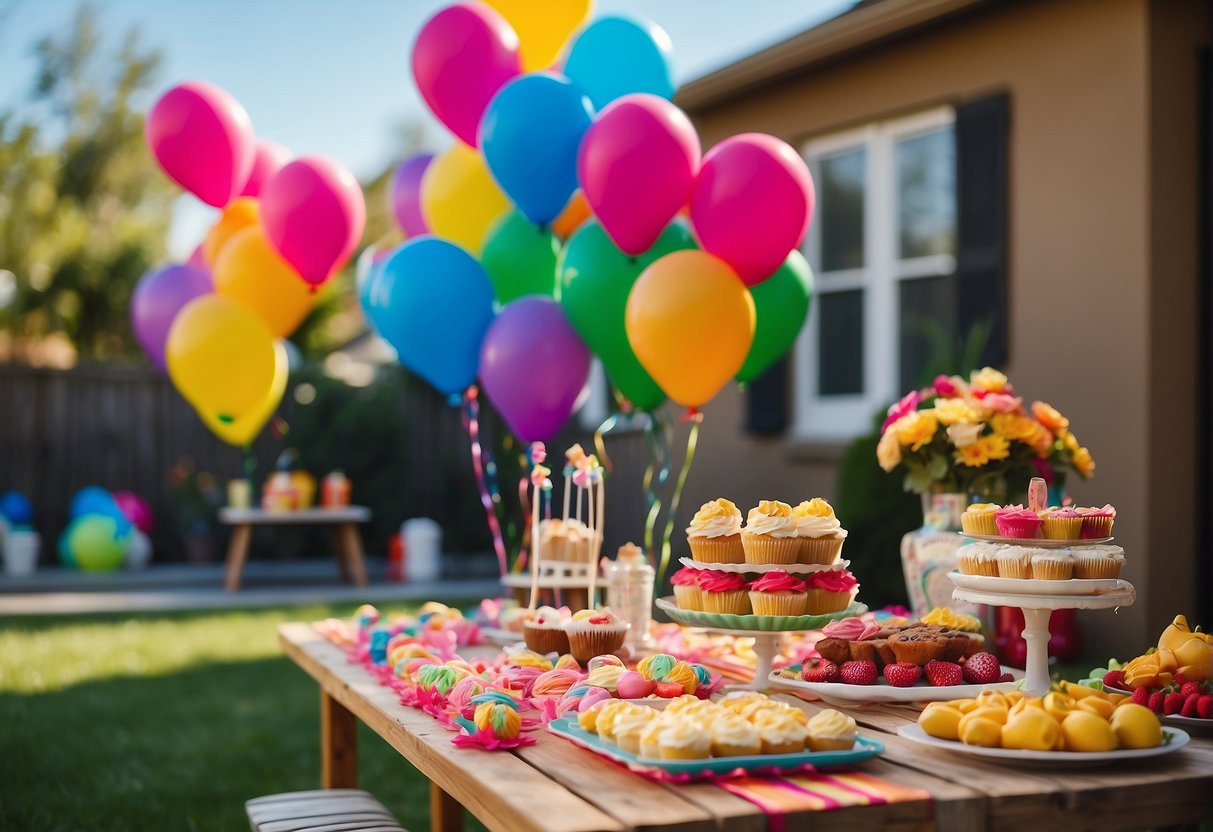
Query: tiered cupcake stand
[
  {"x": 1038, "y": 599},
  {"x": 766, "y": 630}
]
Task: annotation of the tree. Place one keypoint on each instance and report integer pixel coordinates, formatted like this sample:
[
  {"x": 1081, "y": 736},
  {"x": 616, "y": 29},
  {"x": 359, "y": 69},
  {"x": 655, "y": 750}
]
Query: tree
[{"x": 84, "y": 210}]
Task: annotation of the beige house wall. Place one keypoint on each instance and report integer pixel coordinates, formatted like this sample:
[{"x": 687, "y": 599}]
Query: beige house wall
[{"x": 1102, "y": 258}]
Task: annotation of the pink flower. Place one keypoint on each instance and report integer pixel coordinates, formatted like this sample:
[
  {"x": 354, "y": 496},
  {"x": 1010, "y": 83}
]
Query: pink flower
[
  {"x": 1002, "y": 403},
  {"x": 908, "y": 404},
  {"x": 1044, "y": 468},
  {"x": 945, "y": 387}
]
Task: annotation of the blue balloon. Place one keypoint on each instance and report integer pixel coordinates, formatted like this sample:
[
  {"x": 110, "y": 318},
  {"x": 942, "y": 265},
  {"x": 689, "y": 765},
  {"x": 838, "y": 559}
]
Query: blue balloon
[
  {"x": 530, "y": 135},
  {"x": 616, "y": 56},
  {"x": 93, "y": 499},
  {"x": 16, "y": 509},
  {"x": 433, "y": 302}
]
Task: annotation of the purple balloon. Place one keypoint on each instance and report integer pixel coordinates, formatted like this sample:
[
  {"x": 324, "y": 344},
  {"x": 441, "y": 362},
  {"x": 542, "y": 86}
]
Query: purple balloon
[
  {"x": 158, "y": 298},
  {"x": 533, "y": 367},
  {"x": 404, "y": 197}
]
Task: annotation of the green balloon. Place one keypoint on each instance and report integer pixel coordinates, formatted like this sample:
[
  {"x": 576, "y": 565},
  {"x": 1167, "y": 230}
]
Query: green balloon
[
  {"x": 596, "y": 279},
  {"x": 782, "y": 304},
  {"x": 520, "y": 258},
  {"x": 95, "y": 543}
]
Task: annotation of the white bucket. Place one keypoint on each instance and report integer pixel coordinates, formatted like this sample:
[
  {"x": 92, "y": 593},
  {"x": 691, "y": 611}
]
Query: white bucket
[
  {"x": 21, "y": 552},
  {"x": 422, "y": 549}
]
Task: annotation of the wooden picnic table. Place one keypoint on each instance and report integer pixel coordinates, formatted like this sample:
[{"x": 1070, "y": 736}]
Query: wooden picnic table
[
  {"x": 554, "y": 786},
  {"x": 344, "y": 521}
]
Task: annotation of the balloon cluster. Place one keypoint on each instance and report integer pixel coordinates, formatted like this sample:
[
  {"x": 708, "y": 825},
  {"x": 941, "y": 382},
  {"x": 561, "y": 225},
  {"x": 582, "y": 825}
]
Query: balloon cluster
[
  {"x": 575, "y": 212},
  {"x": 214, "y": 324},
  {"x": 106, "y": 531}
]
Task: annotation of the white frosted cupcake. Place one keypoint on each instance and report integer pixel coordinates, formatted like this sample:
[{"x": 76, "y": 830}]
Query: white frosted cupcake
[
  {"x": 818, "y": 531},
  {"x": 979, "y": 559},
  {"x": 685, "y": 741},
  {"x": 770, "y": 535},
  {"x": 715, "y": 533},
  {"x": 1100, "y": 561},
  {"x": 544, "y": 631},
  {"x": 1052, "y": 565},
  {"x": 1014, "y": 561}
]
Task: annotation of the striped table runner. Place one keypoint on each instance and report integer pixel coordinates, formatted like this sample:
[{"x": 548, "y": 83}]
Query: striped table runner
[{"x": 778, "y": 796}]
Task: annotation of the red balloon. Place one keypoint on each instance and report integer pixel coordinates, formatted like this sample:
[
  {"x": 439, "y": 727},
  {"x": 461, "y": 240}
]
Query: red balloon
[
  {"x": 268, "y": 160},
  {"x": 752, "y": 203}
]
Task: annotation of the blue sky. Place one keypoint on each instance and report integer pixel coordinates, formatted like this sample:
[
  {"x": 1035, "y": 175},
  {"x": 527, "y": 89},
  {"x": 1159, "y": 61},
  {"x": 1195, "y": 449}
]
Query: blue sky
[{"x": 333, "y": 77}]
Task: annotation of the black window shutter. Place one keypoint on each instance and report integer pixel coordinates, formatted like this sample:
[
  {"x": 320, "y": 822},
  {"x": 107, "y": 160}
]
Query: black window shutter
[
  {"x": 981, "y": 209},
  {"x": 767, "y": 401}
]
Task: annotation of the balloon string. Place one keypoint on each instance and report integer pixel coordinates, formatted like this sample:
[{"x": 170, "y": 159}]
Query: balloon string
[
  {"x": 658, "y": 468},
  {"x": 600, "y": 443},
  {"x": 524, "y": 500},
  {"x": 489, "y": 496},
  {"x": 692, "y": 442}
]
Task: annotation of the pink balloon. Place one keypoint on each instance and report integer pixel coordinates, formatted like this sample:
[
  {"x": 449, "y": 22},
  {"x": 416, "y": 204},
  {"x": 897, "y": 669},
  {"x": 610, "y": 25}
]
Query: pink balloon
[
  {"x": 135, "y": 509},
  {"x": 268, "y": 160},
  {"x": 198, "y": 258},
  {"x": 203, "y": 140},
  {"x": 313, "y": 212},
  {"x": 461, "y": 57},
  {"x": 637, "y": 165},
  {"x": 751, "y": 204}
]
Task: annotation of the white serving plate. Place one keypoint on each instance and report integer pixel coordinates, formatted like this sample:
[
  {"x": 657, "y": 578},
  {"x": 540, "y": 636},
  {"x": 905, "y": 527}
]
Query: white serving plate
[
  {"x": 1027, "y": 586},
  {"x": 838, "y": 693},
  {"x": 763, "y": 568},
  {"x": 1191, "y": 723},
  {"x": 1037, "y": 542},
  {"x": 1047, "y": 759}
]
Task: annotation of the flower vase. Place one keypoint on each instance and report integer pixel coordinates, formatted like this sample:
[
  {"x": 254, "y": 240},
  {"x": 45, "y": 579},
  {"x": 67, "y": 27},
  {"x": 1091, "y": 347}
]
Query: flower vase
[{"x": 930, "y": 552}]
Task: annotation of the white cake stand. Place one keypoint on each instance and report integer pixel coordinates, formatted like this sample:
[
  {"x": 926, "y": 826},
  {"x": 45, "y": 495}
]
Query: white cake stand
[{"x": 1036, "y": 610}]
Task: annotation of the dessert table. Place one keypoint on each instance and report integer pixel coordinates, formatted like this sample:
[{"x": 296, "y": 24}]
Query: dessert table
[{"x": 553, "y": 786}]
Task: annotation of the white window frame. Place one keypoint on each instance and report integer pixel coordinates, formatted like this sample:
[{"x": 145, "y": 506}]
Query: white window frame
[{"x": 835, "y": 418}]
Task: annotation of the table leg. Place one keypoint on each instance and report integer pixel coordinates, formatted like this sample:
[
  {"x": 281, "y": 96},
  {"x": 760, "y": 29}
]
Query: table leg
[
  {"x": 343, "y": 561},
  {"x": 338, "y": 744},
  {"x": 237, "y": 552},
  {"x": 352, "y": 546},
  {"x": 446, "y": 814}
]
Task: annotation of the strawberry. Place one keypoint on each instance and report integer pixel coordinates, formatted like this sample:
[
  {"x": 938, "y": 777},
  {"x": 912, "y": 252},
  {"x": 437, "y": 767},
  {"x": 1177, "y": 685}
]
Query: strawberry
[
  {"x": 858, "y": 673},
  {"x": 1156, "y": 700},
  {"x": 1114, "y": 679},
  {"x": 1172, "y": 703},
  {"x": 944, "y": 674},
  {"x": 1190, "y": 688},
  {"x": 902, "y": 674},
  {"x": 1140, "y": 696},
  {"x": 1204, "y": 706},
  {"x": 668, "y": 690},
  {"x": 981, "y": 669},
  {"x": 819, "y": 670},
  {"x": 1190, "y": 703},
  {"x": 1006, "y": 677},
  {"x": 1179, "y": 680}
]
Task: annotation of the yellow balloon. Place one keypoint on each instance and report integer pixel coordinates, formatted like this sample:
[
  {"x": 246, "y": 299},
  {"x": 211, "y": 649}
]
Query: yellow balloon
[
  {"x": 243, "y": 429},
  {"x": 220, "y": 357},
  {"x": 543, "y": 26},
  {"x": 239, "y": 214},
  {"x": 690, "y": 321},
  {"x": 251, "y": 272},
  {"x": 459, "y": 198}
]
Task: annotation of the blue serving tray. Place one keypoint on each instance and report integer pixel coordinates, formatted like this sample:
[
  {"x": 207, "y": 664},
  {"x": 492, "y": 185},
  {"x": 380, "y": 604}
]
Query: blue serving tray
[{"x": 864, "y": 748}]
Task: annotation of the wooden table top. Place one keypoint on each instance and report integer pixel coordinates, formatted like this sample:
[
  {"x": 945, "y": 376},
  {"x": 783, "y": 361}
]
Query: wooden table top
[
  {"x": 554, "y": 786},
  {"x": 302, "y": 516}
]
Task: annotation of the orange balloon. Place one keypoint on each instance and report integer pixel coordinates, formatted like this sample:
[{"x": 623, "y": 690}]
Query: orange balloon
[
  {"x": 573, "y": 215},
  {"x": 690, "y": 321},
  {"x": 251, "y": 272},
  {"x": 240, "y": 213}
]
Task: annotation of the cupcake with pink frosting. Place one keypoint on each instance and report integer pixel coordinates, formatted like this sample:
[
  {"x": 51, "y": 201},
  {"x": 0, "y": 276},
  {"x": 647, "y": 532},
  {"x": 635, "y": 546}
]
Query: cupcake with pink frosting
[
  {"x": 1061, "y": 523},
  {"x": 1017, "y": 521},
  {"x": 687, "y": 594},
  {"x": 724, "y": 592},
  {"x": 778, "y": 593},
  {"x": 1096, "y": 522},
  {"x": 829, "y": 591}
]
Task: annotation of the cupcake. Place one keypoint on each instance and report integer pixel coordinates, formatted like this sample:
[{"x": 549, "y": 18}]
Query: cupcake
[
  {"x": 544, "y": 631},
  {"x": 819, "y": 534},
  {"x": 1061, "y": 524},
  {"x": 1017, "y": 521},
  {"x": 978, "y": 559},
  {"x": 829, "y": 591},
  {"x": 979, "y": 519},
  {"x": 580, "y": 540},
  {"x": 553, "y": 540},
  {"x": 732, "y": 736},
  {"x": 778, "y": 593},
  {"x": 1099, "y": 561},
  {"x": 1052, "y": 565},
  {"x": 588, "y": 719},
  {"x": 650, "y": 738},
  {"x": 595, "y": 633},
  {"x": 723, "y": 592},
  {"x": 629, "y": 726},
  {"x": 715, "y": 533},
  {"x": 831, "y": 730},
  {"x": 1096, "y": 522},
  {"x": 1014, "y": 561},
  {"x": 769, "y": 535},
  {"x": 685, "y": 741},
  {"x": 608, "y": 715},
  {"x": 919, "y": 645},
  {"x": 687, "y": 594},
  {"x": 781, "y": 733}
]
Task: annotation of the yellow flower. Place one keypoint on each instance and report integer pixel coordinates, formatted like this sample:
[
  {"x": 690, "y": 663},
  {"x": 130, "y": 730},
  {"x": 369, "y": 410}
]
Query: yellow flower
[
  {"x": 1048, "y": 416},
  {"x": 1012, "y": 425},
  {"x": 983, "y": 451},
  {"x": 951, "y": 411},
  {"x": 888, "y": 451},
  {"x": 988, "y": 379},
  {"x": 1083, "y": 462},
  {"x": 915, "y": 429},
  {"x": 964, "y": 434},
  {"x": 1069, "y": 441}
]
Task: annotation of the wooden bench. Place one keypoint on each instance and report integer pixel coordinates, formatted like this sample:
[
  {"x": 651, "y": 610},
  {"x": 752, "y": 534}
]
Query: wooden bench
[
  {"x": 321, "y": 810},
  {"x": 344, "y": 522}
]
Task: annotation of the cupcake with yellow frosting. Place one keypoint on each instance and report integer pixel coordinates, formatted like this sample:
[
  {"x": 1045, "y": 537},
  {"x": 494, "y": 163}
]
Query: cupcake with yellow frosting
[
  {"x": 715, "y": 533},
  {"x": 770, "y": 534},
  {"x": 733, "y": 736},
  {"x": 978, "y": 518},
  {"x": 610, "y": 713},
  {"x": 650, "y": 738},
  {"x": 628, "y": 727},
  {"x": 818, "y": 532},
  {"x": 685, "y": 741},
  {"x": 781, "y": 733},
  {"x": 831, "y": 730}
]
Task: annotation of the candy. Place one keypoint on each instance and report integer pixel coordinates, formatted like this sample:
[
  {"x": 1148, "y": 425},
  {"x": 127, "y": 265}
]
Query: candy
[{"x": 632, "y": 685}]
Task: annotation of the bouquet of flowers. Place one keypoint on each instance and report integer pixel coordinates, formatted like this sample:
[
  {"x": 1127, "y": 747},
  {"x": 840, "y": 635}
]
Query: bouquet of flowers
[{"x": 975, "y": 437}]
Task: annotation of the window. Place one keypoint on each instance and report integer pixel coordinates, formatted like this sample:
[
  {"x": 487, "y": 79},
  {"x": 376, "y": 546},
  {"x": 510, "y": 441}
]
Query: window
[{"x": 882, "y": 247}]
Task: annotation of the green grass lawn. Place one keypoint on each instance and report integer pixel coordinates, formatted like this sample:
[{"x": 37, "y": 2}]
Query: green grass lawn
[{"x": 166, "y": 721}]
